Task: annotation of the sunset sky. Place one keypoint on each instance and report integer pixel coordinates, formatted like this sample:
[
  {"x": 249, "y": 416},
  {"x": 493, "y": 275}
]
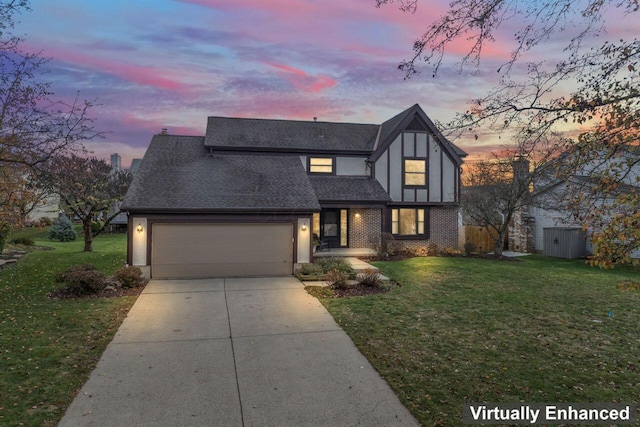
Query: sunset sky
[{"x": 171, "y": 63}]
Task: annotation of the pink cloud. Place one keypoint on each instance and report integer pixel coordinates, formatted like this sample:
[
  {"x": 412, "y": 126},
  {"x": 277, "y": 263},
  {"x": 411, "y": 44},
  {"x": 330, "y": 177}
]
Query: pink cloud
[
  {"x": 304, "y": 81},
  {"x": 144, "y": 75}
]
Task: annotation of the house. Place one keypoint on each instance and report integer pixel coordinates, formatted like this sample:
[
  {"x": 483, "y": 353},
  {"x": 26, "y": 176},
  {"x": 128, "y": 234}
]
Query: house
[
  {"x": 547, "y": 209},
  {"x": 248, "y": 196}
]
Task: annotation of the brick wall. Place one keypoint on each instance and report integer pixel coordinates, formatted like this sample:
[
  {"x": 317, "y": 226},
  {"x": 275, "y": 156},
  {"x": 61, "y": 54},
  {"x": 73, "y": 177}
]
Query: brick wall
[
  {"x": 364, "y": 228},
  {"x": 443, "y": 229}
]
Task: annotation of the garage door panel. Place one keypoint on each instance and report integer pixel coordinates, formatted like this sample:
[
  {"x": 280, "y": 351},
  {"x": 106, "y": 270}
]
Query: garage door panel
[{"x": 217, "y": 250}]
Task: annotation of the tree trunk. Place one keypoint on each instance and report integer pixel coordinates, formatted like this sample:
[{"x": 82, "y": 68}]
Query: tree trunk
[
  {"x": 88, "y": 237},
  {"x": 499, "y": 244}
]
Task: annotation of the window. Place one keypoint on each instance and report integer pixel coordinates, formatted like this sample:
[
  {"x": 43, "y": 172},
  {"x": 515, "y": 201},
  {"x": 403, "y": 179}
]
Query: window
[
  {"x": 407, "y": 222},
  {"x": 415, "y": 172},
  {"x": 343, "y": 227},
  {"x": 320, "y": 165}
]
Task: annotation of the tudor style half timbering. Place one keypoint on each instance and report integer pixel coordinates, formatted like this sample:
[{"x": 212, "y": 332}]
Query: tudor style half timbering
[{"x": 252, "y": 195}]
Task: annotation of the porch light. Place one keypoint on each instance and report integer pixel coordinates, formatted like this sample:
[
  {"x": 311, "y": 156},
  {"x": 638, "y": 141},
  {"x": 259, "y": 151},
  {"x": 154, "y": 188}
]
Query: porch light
[
  {"x": 357, "y": 215},
  {"x": 304, "y": 227},
  {"x": 139, "y": 228}
]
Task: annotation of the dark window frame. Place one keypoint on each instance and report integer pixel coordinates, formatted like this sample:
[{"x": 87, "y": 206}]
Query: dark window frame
[
  {"x": 425, "y": 223},
  {"x": 333, "y": 165},
  {"x": 425, "y": 173}
]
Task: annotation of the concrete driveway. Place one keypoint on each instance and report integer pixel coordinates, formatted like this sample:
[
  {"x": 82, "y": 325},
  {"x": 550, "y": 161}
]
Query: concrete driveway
[{"x": 233, "y": 352}]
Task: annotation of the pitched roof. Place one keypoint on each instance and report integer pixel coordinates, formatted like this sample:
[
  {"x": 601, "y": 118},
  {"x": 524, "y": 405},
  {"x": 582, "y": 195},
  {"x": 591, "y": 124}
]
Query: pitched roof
[
  {"x": 393, "y": 126},
  {"x": 289, "y": 134},
  {"x": 348, "y": 189},
  {"x": 177, "y": 174}
]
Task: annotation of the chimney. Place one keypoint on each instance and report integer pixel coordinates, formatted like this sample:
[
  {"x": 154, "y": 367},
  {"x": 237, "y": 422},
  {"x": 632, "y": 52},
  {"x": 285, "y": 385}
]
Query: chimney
[
  {"x": 520, "y": 170},
  {"x": 315, "y": 119},
  {"x": 164, "y": 131}
]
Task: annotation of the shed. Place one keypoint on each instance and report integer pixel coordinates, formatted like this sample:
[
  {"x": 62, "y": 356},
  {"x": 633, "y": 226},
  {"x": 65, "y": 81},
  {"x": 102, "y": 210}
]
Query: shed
[{"x": 564, "y": 242}]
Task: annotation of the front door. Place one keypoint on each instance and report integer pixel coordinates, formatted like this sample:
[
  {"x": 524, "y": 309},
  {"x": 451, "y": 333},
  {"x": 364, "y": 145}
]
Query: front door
[{"x": 333, "y": 225}]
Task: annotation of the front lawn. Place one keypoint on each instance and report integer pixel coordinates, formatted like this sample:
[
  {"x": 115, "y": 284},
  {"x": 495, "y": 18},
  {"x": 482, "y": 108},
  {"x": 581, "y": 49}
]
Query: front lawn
[
  {"x": 472, "y": 330},
  {"x": 49, "y": 347}
]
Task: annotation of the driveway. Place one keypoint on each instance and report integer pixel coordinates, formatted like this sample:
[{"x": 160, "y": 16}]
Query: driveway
[{"x": 233, "y": 352}]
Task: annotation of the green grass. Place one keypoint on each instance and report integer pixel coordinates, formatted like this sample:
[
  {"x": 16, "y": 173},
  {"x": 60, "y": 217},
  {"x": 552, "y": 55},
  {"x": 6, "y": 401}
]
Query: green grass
[
  {"x": 49, "y": 347},
  {"x": 472, "y": 330}
]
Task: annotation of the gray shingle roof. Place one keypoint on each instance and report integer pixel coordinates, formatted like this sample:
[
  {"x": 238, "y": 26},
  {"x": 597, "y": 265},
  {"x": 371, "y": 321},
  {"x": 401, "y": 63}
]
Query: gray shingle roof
[
  {"x": 177, "y": 174},
  {"x": 348, "y": 189},
  {"x": 290, "y": 134}
]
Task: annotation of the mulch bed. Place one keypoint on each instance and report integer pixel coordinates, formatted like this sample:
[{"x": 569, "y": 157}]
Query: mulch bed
[
  {"x": 402, "y": 256},
  {"x": 108, "y": 292},
  {"x": 358, "y": 290}
]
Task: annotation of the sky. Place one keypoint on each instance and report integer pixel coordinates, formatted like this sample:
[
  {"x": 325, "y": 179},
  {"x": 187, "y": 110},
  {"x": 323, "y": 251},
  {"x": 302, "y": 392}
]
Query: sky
[{"x": 153, "y": 64}]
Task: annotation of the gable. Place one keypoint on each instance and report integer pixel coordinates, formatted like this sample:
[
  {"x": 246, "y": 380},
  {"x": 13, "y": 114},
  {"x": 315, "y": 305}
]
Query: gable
[{"x": 415, "y": 119}]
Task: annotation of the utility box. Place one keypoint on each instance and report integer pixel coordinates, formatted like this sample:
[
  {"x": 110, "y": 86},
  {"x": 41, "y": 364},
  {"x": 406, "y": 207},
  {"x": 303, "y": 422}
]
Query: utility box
[{"x": 564, "y": 242}]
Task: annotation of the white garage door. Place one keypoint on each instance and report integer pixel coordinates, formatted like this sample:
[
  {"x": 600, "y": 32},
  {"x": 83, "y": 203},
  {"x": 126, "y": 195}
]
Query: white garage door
[{"x": 221, "y": 250}]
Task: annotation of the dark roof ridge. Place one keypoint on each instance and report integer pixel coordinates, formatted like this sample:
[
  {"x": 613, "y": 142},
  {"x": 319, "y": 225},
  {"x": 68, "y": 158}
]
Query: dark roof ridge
[{"x": 293, "y": 120}]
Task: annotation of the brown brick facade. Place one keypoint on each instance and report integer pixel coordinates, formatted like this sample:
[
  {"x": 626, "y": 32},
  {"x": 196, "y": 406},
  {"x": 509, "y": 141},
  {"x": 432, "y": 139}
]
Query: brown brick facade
[
  {"x": 364, "y": 228},
  {"x": 443, "y": 229}
]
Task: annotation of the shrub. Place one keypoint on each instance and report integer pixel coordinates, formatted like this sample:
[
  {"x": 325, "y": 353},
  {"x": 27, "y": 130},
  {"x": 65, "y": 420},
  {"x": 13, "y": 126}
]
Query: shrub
[
  {"x": 130, "y": 277},
  {"x": 421, "y": 251},
  {"x": 470, "y": 247},
  {"x": 334, "y": 263},
  {"x": 388, "y": 246},
  {"x": 81, "y": 279},
  {"x": 28, "y": 241},
  {"x": 62, "y": 230},
  {"x": 336, "y": 279},
  {"x": 449, "y": 252},
  {"x": 310, "y": 269},
  {"x": 369, "y": 278},
  {"x": 432, "y": 249},
  {"x": 45, "y": 221}
]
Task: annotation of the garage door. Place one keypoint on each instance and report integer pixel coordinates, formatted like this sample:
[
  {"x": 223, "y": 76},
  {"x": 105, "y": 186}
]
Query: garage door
[{"x": 221, "y": 250}]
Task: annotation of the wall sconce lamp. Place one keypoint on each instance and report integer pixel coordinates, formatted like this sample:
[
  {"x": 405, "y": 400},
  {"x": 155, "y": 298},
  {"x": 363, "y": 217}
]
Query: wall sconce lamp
[
  {"x": 139, "y": 228},
  {"x": 357, "y": 215},
  {"x": 304, "y": 227}
]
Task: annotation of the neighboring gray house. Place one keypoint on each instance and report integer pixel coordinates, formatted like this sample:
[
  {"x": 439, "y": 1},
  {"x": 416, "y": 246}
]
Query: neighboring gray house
[
  {"x": 247, "y": 198},
  {"x": 549, "y": 195}
]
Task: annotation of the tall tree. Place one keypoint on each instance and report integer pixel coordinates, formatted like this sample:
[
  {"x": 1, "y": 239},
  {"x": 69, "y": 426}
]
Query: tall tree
[
  {"x": 498, "y": 187},
  {"x": 33, "y": 124},
  {"x": 89, "y": 189},
  {"x": 601, "y": 67},
  {"x": 20, "y": 193}
]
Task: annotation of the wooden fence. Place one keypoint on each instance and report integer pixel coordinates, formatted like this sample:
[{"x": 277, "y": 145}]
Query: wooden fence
[{"x": 481, "y": 237}]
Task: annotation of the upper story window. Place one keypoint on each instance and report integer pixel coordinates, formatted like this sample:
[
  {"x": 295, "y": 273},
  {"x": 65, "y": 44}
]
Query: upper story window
[
  {"x": 321, "y": 165},
  {"x": 415, "y": 172}
]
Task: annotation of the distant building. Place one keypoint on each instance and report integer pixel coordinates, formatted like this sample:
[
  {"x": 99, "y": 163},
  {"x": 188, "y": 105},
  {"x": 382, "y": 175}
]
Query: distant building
[{"x": 116, "y": 162}]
